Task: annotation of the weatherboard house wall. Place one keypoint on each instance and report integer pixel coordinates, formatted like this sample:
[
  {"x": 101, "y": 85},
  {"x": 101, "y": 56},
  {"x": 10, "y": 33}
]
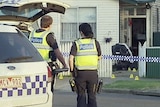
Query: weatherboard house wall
[{"x": 155, "y": 12}]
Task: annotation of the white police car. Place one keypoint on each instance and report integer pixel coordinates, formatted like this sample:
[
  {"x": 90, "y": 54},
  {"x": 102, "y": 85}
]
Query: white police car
[{"x": 24, "y": 75}]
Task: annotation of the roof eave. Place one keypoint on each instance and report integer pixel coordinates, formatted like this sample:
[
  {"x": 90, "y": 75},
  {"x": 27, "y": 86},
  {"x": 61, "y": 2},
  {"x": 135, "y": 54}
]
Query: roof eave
[{"x": 135, "y": 2}]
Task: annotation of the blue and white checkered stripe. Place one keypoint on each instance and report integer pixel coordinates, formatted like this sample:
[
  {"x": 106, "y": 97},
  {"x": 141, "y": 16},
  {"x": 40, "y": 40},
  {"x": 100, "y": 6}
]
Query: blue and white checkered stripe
[
  {"x": 131, "y": 58},
  {"x": 31, "y": 85}
]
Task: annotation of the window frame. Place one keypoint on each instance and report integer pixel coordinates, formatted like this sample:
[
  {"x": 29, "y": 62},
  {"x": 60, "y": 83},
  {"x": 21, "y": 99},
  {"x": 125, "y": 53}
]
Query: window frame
[{"x": 77, "y": 23}]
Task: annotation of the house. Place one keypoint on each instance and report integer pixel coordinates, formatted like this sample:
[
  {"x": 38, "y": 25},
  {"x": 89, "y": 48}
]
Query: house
[
  {"x": 141, "y": 17},
  {"x": 120, "y": 20}
]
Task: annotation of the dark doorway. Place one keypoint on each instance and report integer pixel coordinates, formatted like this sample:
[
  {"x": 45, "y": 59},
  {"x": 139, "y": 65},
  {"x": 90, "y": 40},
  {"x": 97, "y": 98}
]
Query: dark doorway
[{"x": 138, "y": 27}]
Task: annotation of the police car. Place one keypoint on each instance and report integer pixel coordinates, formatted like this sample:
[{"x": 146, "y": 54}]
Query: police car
[{"x": 24, "y": 75}]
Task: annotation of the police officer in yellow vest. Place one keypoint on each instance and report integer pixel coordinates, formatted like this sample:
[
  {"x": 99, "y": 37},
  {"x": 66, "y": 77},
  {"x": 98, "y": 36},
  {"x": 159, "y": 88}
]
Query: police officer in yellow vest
[
  {"x": 46, "y": 43},
  {"x": 84, "y": 56}
]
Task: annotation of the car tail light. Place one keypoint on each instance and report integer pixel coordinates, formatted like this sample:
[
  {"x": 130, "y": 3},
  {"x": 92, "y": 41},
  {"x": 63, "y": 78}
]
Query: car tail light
[{"x": 49, "y": 74}]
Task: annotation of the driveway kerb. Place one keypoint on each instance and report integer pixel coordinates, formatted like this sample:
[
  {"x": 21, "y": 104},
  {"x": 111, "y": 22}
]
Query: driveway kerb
[{"x": 134, "y": 92}]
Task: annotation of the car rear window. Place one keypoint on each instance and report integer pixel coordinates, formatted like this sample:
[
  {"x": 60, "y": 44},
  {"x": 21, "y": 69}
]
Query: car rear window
[
  {"x": 15, "y": 48},
  {"x": 28, "y": 12}
]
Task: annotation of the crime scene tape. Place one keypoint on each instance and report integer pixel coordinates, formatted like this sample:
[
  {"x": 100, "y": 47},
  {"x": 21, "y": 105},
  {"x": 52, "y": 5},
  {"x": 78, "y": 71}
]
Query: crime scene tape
[
  {"x": 131, "y": 58},
  {"x": 126, "y": 58}
]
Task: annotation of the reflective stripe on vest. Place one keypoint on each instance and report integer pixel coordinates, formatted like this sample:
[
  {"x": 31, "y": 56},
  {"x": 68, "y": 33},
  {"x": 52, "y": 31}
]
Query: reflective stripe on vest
[
  {"x": 87, "y": 55},
  {"x": 40, "y": 43}
]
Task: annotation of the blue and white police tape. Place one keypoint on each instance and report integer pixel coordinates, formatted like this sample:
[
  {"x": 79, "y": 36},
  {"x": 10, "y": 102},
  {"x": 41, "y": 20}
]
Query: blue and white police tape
[
  {"x": 126, "y": 58},
  {"x": 131, "y": 58}
]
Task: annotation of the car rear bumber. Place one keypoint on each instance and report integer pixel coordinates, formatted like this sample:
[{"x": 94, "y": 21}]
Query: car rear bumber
[{"x": 25, "y": 85}]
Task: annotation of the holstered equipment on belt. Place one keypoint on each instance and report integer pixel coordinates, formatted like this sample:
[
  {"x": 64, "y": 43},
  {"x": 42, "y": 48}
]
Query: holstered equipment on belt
[
  {"x": 72, "y": 85},
  {"x": 99, "y": 86}
]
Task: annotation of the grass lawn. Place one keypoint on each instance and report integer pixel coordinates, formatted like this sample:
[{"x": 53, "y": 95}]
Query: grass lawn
[{"x": 130, "y": 84}]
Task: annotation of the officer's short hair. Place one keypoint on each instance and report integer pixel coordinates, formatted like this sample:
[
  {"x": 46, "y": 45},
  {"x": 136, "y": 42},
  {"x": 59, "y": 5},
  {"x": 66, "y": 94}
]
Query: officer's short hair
[{"x": 46, "y": 21}]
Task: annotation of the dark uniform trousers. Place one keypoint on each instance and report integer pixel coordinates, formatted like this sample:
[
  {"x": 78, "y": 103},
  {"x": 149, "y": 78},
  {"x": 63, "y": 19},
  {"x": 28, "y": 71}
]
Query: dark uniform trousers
[{"x": 86, "y": 82}]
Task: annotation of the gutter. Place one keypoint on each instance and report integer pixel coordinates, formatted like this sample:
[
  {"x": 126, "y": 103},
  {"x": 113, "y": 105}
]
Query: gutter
[{"x": 135, "y": 2}]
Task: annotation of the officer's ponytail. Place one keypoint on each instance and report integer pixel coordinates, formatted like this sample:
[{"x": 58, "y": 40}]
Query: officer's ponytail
[{"x": 86, "y": 29}]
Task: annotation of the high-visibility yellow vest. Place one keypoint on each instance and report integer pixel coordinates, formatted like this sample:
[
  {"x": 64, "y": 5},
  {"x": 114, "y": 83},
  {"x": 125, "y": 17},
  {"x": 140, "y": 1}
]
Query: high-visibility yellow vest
[
  {"x": 40, "y": 43},
  {"x": 87, "y": 55}
]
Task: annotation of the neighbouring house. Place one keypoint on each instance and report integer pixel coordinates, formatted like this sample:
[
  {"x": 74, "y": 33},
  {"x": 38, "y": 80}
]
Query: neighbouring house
[
  {"x": 142, "y": 17},
  {"x": 120, "y": 20}
]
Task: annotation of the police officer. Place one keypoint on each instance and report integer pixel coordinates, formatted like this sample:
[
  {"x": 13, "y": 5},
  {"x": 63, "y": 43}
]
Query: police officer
[
  {"x": 84, "y": 56},
  {"x": 45, "y": 42}
]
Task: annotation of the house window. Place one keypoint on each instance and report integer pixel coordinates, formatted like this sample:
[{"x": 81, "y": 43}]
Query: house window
[
  {"x": 73, "y": 18},
  {"x": 141, "y": 11}
]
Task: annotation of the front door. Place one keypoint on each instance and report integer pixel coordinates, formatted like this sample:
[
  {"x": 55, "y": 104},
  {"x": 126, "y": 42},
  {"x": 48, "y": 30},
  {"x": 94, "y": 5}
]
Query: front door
[{"x": 138, "y": 27}]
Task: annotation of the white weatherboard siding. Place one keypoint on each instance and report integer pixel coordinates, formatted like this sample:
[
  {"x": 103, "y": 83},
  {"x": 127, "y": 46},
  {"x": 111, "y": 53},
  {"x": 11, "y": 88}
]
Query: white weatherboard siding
[
  {"x": 156, "y": 17},
  {"x": 107, "y": 23}
]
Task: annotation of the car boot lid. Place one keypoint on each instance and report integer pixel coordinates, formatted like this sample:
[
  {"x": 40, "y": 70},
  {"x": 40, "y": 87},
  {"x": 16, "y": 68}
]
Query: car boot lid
[{"x": 29, "y": 10}]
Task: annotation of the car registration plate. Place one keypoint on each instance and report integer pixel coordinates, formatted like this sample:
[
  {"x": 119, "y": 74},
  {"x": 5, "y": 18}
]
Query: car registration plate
[{"x": 10, "y": 82}]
